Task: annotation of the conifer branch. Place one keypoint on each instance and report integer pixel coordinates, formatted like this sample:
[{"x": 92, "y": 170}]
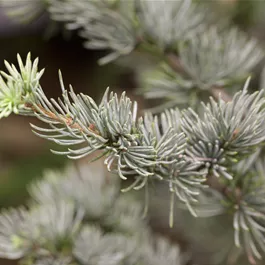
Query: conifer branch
[
  {"x": 216, "y": 91},
  {"x": 213, "y": 145}
]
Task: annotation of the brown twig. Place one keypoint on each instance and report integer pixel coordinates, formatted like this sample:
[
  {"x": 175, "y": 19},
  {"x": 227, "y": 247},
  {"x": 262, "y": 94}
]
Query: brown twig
[
  {"x": 175, "y": 64},
  {"x": 218, "y": 91},
  {"x": 214, "y": 183},
  {"x": 65, "y": 120}
]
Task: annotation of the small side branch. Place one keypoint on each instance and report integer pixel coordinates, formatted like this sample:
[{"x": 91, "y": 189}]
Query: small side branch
[{"x": 216, "y": 91}]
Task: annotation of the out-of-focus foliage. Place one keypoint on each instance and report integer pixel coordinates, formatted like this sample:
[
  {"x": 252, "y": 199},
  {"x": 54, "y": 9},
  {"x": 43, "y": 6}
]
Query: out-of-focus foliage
[{"x": 63, "y": 227}]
